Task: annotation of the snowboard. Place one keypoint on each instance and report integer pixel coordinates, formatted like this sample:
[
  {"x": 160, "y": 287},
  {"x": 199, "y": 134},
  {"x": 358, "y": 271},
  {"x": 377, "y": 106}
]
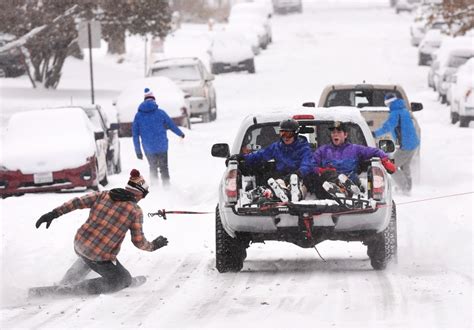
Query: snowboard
[{"x": 64, "y": 290}]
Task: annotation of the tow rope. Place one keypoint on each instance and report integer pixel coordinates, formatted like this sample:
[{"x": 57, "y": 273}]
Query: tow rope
[{"x": 162, "y": 213}]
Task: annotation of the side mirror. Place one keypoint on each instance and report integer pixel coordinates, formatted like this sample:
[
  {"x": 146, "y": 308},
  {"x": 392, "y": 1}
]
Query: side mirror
[
  {"x": 220, "y": 150},
  {"x": 387, "y": 146},
  {"x": 416, "y": 106},
  {"x": 99, "y": 135},
  {"x": 309, "y": 104},
  {"x": 210, "y": 77}
]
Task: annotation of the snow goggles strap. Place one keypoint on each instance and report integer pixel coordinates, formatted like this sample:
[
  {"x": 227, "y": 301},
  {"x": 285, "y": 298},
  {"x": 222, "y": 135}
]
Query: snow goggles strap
[{"x": 287, "y": 134}]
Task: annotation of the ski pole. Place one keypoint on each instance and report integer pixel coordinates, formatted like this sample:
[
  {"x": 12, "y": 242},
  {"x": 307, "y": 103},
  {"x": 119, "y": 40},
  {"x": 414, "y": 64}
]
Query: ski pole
[{"x": 162, "y": 213}]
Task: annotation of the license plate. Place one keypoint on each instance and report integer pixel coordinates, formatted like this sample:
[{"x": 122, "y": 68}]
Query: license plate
[{"x": 43, "y": 177}]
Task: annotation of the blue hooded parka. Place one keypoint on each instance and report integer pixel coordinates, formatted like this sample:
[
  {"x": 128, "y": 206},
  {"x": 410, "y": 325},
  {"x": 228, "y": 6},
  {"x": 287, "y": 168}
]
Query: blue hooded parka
[
  {"x": 150, "y": 124},
  {"x": 400, "y": 125},
  {"x": 289, "y": 158}
]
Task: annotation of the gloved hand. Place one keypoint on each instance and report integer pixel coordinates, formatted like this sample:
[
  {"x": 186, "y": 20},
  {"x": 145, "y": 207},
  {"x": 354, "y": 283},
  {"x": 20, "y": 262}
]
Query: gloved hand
[
  {"x": 182, "y": 136},
  {"x": 389, "y": 166},
  {"x": 140, "y": 155},
  {"x": 159, "y": 242},
  {"x": 47, "y": 218},
  {"x": 238, "y": 157}
]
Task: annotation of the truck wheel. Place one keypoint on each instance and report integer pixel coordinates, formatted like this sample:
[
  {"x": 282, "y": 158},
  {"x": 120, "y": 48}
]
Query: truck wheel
[
  {"x": 454, "y": 117},
  {"x": 383, "y": 248},
  {"x": 230, "y": 252},
  {"x": 463, "y": 121}
]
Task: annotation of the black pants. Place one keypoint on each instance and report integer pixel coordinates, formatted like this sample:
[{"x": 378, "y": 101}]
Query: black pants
[
  {"x": 114, "y": 277},
  {"x": 160, "y": 161}
]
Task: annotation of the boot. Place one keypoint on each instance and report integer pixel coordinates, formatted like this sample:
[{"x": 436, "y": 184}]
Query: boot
[{"x": 278, "y": 190}]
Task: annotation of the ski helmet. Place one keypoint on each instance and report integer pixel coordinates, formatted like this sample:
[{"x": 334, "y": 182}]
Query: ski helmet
[{"x": 290, "y": 125}]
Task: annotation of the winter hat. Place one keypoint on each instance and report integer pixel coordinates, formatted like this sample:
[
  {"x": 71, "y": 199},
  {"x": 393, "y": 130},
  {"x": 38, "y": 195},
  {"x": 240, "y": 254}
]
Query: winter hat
[
  {"x": 149, "y": 94},
  {"x": 389, "y": 98},
  {"x": 339, "y": 125},
  {"x": 137, "y": 182}
]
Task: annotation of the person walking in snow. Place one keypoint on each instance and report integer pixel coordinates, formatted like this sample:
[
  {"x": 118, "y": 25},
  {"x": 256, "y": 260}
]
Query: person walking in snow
[
  {"x": 342, "y": 157},
  {"x": 150, "y": 125},
  {"x": 98, "y": 240},
  {"x": 400, "y": 125}
]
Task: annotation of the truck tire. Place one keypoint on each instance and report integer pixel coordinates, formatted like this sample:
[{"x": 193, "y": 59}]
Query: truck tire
[
  {"x": 230, "y": 252},
  {"x": 383, "y": 248},
  {"x": 463, "y": 121},
  {"x": 454, "y": 117}
]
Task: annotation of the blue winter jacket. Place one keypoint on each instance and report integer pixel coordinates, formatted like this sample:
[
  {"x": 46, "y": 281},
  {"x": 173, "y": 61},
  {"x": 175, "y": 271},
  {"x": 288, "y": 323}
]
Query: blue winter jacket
[
  {"x": 288, "y": 157},
  {"x": 345, "y": 158},
  {"x": 400, "y": 125},
  {"x": 150, "y": 124}
]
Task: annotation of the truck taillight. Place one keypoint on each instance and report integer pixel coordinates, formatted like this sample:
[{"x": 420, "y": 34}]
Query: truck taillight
[
  {"x": 468, "y": 93},
  {"x": 230, "y": 187},
  {"x": 378, "y": 184}
]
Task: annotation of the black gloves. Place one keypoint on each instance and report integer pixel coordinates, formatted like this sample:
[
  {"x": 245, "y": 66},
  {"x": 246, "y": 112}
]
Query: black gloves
[
  {"x": 182, "y": 136},
  {"x": 159, "y": 242},
  {"x": 47, "y": 218},
  {"x": 140, "y": 156}
]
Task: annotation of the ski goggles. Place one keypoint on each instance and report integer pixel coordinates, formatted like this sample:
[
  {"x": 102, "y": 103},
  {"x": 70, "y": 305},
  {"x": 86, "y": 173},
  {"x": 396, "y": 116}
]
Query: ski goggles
[{"x": 287, "y": 134}]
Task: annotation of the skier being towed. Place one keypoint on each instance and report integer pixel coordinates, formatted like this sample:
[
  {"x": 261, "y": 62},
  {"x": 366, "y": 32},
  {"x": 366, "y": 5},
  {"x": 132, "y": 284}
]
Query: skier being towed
[
  {"x": 342, "y": 157},
  {"x": 98, "y": 240},
  {"x": 292, "y": 155}
]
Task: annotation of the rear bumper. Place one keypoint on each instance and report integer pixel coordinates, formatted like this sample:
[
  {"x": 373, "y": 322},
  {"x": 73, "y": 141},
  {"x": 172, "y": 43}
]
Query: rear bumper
[
  {"x": 125, "y": 129},
  {"x": 82, "y": 177},
  {"x": 339, "y": 220},
  {"x": 231, "y": 67}
]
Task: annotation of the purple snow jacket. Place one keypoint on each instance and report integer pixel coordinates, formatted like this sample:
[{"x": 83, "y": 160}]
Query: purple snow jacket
[{"x": 345, "y": 158}]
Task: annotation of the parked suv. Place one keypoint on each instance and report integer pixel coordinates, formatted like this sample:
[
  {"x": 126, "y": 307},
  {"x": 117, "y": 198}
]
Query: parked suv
[
  {"x": 241, "y": 221},
  {"x": 369, "y": 99},
  {"x": 190, "y": 74}
]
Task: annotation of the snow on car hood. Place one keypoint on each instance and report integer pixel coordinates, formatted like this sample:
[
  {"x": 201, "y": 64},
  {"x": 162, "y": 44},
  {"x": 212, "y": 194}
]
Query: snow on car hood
[
  {"x": 168, "y": 95},
  {"x": 47, "y": 140},
  {"x": 229, "y": 47}
]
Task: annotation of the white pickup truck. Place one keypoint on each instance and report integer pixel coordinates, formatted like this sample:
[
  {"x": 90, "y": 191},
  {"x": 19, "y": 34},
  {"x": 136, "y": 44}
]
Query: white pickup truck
[{"x": 369, "y": 218}]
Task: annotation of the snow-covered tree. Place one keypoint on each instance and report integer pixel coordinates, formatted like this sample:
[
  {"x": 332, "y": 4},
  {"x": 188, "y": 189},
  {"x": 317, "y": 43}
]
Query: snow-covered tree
[
  {"x": 458, "y": 14},
  {"x": 47, "y": 29}
]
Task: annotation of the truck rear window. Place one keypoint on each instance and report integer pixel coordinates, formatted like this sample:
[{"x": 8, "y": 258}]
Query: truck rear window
[
  {"x": 317, "y": 133},
  {"x": 358, "y": 97}
]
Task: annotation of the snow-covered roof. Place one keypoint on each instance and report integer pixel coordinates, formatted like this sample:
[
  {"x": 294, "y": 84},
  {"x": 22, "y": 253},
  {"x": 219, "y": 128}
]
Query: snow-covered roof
[{"x": 175, "y": 62}]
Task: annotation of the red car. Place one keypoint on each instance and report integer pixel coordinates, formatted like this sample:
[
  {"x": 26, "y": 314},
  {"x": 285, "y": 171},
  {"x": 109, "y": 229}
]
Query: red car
[{"x": 60, "y": 151}]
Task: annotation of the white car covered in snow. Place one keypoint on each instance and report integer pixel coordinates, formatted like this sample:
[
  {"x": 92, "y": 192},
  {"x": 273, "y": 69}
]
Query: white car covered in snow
[
  {"x": 251, "y": 13},
  {"x": 429, "y": 44},
  {"x": 462, "y": 95},
  {"x": 52, "y": 150},
  {"x": 241, "y": 219},
  {"x": 190, "y": 74},
  {"x": 169, "y": 97},
  {"x": 230, "y": 51}
]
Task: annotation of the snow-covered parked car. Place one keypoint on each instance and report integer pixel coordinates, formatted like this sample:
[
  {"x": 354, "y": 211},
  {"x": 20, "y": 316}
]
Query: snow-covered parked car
[
  {"x": 230, "y": 51},
  {"x": 428, "y": 45},
  {"x": 406, "y": 5},
  {"x": 190, "y": 74},
  {"x": 252, "y": 13},
  {"x": 51, "y": 150},
  {"x": 287, "y": 6},
  {"x": 241, "y": 220},
  {"x": 369, "y": 99},
  {"x": 462, "y": 95},
  {"x": 169, "y": 97}
]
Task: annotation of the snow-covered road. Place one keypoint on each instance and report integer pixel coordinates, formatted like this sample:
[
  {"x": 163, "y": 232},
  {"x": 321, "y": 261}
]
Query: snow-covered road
[{"x": 281, "y": 285}]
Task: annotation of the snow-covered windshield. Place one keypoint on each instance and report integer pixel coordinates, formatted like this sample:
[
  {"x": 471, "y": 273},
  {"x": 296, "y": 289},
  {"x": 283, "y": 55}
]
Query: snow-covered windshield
[
  {"x": 358, "y": 97},
  {"x": 317, "y": 134},
  {"x": 180, "y": 72}
]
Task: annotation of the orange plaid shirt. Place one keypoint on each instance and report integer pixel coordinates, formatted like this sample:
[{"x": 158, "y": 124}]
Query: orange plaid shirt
[{"x": 100, "y": 237}]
